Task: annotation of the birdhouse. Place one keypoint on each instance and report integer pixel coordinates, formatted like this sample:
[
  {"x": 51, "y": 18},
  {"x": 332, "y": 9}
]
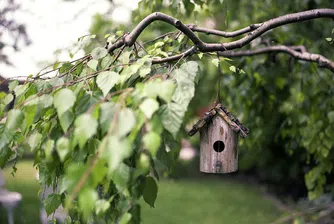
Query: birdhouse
[{"x": 219, "y": 132}]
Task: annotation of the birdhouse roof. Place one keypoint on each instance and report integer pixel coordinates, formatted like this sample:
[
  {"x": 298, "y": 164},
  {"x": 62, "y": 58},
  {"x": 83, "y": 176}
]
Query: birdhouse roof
[{"x": 222, "y": 112}]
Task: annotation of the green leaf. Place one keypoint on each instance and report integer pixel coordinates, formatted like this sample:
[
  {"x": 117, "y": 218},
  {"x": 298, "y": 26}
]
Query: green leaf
[
  {"x": 172, "y": 115},
  {"x": 55, "y": 65},
  {"x": 2, "y": 95},
  {"x": 99, "y": 52},
  {"x": 145, "y": 64},
  {"x": 142, "y": 165},
  {"x": 233, "y": 68},
  {"x": 184, "y": 92},
  {"x": 116, "y": 151},
  {"x": 80, "y": 70},
  {"x": 106, "y": 61},
  {"x": 167, "y": 90},
  {"x": 55, "y": 81},
  {"x": 126, "y": 121},
  {"x": 5, "y": 137},
  {"x": 64, "y": 100},
  {"x": 121, "y": 176},
  {"x": 63, "y": 147},
  {"x": 152, "y": 142},
  {"x": 12, "y": 85},
  {"x": 5, "y": 155},
  {"x": 8, "y": 98},
  {"x": 125, "y": 218},
  {"x": 87, "y": 200},
  {"x": 93, "y": 64},
  {"x": 2, "y": 109},
  {"x": 189, "y": 6},
  {"x": 165, "y": 158},
  {"x": 180, "y": 38},
  {"x": 152, "y": 88},
  {"x": 159, "y": 44},
  {"x": 101, "y": 206},
  {"x": 125, "y": 57},
  {"x": 185, "y": 89},
  {"x": 330, "y": 116},
  {"x": 329, "y": 39},
  {"x": 191, "y": 69},
  {"x": 85, "y": 128},
  {"x": 119, "y": 32},
  {"x": 148, "y": 107},
  {"x": 215, "y": 61},
  {"x": 100, "y": 170},
  {"x": 108, "y": 110},
  {"x": 73, "y": 174},
  {"x": 14, "y": 119},
  {"x": 128, "y": 71},
  {"x": 52, "y": 202},
  {"x": 156, "y": 124},
  {"x": 43, "y": 101},
  {"x": 106, "y": 80},
  {"x": 66, "y": 120},
  {"x": 150, "y": 191},
  {"x": 21, "y": 89},
  {"x": 48, "y": 147},
  {"x": 144, "y": 71},
  {"x": 65, "y": 67},
  {"x": 34, "y": 140},
  {"x": 29, "y": 114}
]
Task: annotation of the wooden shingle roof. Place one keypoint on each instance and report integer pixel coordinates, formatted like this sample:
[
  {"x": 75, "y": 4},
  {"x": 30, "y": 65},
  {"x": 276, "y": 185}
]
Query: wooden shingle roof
[{"x": 221, "y": 111}]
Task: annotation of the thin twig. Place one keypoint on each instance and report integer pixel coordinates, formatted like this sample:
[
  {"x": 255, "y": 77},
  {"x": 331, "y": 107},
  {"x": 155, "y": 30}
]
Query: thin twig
[
  {"x": 298, "y": 52},
  {"x": 159, "y": 37}
]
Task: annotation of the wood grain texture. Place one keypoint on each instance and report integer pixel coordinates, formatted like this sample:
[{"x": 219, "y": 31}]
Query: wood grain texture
[{"x": 218, "y": 162}]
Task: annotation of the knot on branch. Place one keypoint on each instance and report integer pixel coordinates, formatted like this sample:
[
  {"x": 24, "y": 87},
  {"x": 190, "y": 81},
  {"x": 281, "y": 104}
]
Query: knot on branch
[
  {"x": 127, "y": 40},
  {"x": 177, "y": 23}
]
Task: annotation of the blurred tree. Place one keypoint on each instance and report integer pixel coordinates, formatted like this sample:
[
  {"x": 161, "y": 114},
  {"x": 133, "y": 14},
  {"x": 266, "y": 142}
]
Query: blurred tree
[{"x": 9, "y": 26}]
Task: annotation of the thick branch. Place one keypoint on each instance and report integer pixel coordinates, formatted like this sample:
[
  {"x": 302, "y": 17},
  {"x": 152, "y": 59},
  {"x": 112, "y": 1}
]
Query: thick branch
[
  {"x": 129, "y": 39},
  {"x": 273, "y": 23},
  {"x": 298, "y": 52},
  {"x": 224, "y": 33},
  {"x": 207, "y": 31}
]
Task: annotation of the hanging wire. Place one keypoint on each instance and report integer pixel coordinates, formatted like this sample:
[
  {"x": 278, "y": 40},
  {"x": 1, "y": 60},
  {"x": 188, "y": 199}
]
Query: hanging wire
[{"x": 219, "y": 74}]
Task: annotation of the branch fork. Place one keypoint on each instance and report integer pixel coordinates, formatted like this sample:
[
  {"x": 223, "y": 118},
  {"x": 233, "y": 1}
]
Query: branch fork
[{"x": 253, "y": 31}]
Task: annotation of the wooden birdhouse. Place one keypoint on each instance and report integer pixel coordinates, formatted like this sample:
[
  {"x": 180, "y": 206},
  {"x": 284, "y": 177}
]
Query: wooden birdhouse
[{"x": 219, "y": 132}]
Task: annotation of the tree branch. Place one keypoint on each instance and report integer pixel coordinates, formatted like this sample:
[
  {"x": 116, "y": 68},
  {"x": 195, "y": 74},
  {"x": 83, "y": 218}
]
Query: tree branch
[
  {"x": 130, "y": 38},
  {"x": 271, "y": 24},
  {"x": 236, "y": 33},
  {"x": 298, "y": 52},
  {"x": 188, "y": 52}
]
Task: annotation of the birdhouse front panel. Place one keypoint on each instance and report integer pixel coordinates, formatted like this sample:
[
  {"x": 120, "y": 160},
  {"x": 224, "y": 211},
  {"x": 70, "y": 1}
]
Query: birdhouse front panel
[{"x": 219, "y": 147}]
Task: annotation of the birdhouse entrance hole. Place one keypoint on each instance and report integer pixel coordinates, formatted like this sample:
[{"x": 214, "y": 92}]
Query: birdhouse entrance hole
[{"x": 219, "y": 146}]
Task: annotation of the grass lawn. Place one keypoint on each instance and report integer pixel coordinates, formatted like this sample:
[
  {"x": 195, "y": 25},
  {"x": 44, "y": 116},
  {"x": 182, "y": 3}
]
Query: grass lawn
[{"x": 202, "y": 201}]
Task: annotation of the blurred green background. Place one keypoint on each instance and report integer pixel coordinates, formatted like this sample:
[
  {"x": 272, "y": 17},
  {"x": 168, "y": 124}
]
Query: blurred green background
[{"x": 209, "y": 199}]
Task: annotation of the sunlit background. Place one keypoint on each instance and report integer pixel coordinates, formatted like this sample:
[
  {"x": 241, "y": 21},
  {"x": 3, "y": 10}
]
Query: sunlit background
[{"x": 55, "y": 25}]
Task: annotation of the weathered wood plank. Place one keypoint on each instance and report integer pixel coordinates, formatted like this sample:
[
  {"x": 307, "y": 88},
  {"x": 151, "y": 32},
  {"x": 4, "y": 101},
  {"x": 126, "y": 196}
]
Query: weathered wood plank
[{"x": 212, "y": 161}]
